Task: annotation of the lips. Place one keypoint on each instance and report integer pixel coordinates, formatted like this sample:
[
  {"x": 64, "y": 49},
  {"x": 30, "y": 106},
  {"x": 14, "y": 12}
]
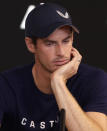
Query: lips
[{"x": 61, "y": 62}]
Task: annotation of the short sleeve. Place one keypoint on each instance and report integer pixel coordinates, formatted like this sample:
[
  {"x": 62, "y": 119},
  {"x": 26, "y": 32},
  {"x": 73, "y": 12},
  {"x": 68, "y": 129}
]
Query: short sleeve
[{"x": 96, "y": 93}]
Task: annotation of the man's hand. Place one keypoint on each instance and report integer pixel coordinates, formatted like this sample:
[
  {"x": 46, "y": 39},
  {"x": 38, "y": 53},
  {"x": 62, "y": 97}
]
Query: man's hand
[{"x": 68, "y": 70}]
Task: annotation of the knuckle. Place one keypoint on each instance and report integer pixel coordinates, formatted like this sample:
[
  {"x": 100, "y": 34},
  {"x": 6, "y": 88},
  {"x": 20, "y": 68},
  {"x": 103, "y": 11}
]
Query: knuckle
[
  {"x": 80, "y": 56},
  {"x": 75, "y": 70}
]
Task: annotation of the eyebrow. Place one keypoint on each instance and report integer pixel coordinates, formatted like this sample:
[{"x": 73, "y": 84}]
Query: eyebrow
[
  {"x": 69, "y": 36},
  {"x": 66, "y": 38}
]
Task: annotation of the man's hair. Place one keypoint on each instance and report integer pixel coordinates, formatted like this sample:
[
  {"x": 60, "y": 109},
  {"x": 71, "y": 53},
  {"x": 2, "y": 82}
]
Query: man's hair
[{"x": 34, "y": 39}]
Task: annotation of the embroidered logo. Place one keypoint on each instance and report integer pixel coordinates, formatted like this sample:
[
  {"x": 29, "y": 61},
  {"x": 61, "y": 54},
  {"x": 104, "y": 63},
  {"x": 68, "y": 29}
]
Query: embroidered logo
[{"x": 63, "y": 15}]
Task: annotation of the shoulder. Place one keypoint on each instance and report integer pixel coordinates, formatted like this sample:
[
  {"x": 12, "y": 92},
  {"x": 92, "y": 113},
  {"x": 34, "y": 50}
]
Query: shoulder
[
  {"x": 93, "y": 80},
  {"x": 19, "y": 70},
  {"x": 87, "y": 78},
  {"x": 15, "y": 74},
  {"x": 91, "y": 73}
]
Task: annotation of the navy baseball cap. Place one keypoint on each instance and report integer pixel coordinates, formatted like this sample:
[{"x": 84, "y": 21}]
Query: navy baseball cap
[{"x": 45, "y": 18}]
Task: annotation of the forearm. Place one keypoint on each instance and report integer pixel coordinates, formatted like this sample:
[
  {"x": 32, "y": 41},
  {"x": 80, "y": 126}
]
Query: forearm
[{"x": 76, "y": 118}]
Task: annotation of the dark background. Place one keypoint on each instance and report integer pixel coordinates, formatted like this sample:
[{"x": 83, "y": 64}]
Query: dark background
[{"x": 89, "y": 16}]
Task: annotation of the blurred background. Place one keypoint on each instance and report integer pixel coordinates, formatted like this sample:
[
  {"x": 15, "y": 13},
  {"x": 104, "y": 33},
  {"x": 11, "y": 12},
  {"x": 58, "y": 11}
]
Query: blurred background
[{"x": 89, "y": 16}]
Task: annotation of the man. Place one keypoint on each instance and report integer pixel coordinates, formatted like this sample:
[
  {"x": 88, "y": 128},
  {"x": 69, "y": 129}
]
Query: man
[{"x": 31, "y": 96}]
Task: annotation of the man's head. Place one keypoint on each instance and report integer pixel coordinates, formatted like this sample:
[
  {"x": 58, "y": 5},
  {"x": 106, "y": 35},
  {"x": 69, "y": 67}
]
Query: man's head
[
  {"x": 53, "y": 51},
  {"x": 49, "y": 35}
]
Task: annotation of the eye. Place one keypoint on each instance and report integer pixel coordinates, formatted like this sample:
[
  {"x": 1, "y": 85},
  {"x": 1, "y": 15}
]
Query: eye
[
  {"x": 50, "y": 43},
  {"x": 66, "y": 41}
]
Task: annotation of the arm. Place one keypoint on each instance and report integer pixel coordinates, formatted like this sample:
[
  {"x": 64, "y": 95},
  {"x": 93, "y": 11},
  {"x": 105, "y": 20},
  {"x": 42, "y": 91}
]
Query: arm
[{"x": 76, "y": 118}]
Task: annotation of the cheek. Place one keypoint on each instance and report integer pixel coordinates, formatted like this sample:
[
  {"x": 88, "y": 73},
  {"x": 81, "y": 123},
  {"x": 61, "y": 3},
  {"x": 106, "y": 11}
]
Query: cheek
[
  {"x": 68, "y": 50},
  {"x": 45, "y": 56},
  {"x": 46, "y": 60}
]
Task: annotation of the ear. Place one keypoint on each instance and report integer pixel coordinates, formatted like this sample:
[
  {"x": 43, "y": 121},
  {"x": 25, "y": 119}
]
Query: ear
[{"x": 30, "y": 45}]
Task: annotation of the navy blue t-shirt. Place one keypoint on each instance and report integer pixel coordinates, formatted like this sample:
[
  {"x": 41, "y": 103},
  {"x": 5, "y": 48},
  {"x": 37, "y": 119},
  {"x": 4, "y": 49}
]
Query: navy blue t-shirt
[{"x": 23, "y": 107}]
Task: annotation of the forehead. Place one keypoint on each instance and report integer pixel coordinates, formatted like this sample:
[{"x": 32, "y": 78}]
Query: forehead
[{"x": 60, "y": 33}]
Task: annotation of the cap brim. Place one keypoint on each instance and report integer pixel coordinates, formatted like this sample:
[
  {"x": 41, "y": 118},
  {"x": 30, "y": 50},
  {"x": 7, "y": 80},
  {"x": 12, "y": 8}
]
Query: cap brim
[
  {"x": 50, "y": 29},
  {"x": 75, "y": 29},
  {"x": 72, "y": 26}
]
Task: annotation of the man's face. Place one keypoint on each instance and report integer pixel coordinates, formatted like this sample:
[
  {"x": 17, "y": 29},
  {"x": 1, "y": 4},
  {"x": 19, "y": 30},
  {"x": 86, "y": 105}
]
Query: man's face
[{"x": 55, "y": 50}]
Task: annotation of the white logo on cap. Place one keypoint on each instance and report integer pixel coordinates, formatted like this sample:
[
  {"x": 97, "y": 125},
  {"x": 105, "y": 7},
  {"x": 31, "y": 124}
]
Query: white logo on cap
[
  {"x": 63, "y": 15},
  {"x": 42, "y": 3}
]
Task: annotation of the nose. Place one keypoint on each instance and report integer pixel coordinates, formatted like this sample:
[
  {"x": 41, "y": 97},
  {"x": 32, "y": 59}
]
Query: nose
[{"x": 60, "y": 51}]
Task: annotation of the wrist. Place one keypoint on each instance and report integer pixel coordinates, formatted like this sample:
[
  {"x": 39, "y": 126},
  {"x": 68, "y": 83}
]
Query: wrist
[
  {"x": 58, "y": 85},
  {"x": 57, "y": 79}
]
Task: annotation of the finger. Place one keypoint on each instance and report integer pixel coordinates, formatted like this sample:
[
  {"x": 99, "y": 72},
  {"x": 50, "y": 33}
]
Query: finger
[
  {"x": 74, "y": 49},
  {"x": 77, "y": 53},
  {"x": 76, "y": 58}
]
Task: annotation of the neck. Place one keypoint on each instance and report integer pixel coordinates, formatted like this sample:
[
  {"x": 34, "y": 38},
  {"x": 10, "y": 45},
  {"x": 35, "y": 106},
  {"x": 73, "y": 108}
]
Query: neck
[{"x": 42, "y": 79}]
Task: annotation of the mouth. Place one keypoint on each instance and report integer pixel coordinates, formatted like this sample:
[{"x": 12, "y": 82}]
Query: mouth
[{"x": 61, "y": 62}]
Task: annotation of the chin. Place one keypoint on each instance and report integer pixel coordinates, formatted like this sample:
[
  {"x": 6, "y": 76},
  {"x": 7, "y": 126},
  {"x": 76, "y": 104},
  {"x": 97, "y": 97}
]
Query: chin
[{"x": 55, "y": 68}]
